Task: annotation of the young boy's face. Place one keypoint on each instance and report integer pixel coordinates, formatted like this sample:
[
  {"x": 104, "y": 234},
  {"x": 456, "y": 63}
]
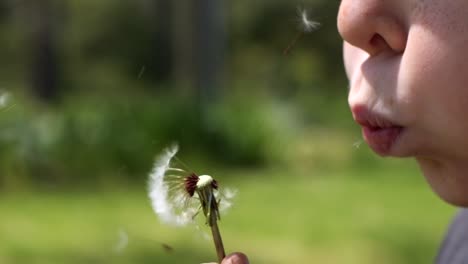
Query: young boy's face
[{"x": 407, "y": 62}]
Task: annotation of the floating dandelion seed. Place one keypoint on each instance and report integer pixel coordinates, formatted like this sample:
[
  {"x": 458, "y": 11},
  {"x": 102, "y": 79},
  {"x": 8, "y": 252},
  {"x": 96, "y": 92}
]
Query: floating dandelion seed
[
  {"x": 122, "y": 242},
  {"x": 142, "y": 70},
  {"x": 4, "y": 99},
  {"x": 167, "y": 247},
  {"x": 177, "y": 196},
  {"x": 357, "y": 144},
  {"x": 306, "y": 26}
]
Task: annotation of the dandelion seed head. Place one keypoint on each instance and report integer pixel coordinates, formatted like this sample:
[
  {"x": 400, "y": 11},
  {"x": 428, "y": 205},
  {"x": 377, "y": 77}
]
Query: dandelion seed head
[
  {"x": 307, "y": 24},
  {"x": 204, "y": 180},
  {"x": 174, "y": 192}
]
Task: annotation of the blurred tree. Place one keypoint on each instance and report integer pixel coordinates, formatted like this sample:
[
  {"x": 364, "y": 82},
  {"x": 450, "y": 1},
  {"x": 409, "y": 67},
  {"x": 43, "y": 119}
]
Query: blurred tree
[
  {"x": 210, "y": 38},
  {"x": 4, "y": 10},
  {"x": 210, "y": 46},
  {"x": 183, "y": 45},
  {"x": 41, "y": 16},
  {"x": 199, "y": 44},
  {"x": 163, "y": 36}
]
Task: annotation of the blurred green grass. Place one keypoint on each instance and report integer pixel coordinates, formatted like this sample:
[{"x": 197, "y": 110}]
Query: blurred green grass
[{"x": 354, "y": 215}]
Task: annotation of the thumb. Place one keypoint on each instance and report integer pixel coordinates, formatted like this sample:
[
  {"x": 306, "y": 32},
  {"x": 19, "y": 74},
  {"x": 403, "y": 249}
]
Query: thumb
[{"x": 236, "y": 258}]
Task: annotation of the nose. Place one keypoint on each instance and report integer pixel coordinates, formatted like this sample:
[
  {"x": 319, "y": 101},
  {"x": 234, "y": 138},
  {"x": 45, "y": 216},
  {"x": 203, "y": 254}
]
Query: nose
[{"x": 373, "y": 25}]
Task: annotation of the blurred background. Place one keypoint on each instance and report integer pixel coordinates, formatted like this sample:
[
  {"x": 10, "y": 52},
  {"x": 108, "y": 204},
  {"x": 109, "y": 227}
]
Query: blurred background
[{"x": 92, "y": 91}]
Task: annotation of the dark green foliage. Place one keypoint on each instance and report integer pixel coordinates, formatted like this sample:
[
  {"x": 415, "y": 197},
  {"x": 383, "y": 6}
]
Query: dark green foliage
[{"x": 90, "y": 140}]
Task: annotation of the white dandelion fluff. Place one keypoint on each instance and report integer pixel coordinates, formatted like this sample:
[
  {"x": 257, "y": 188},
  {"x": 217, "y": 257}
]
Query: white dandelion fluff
[
  {"x": 226, "y": 198},
  {"x": 307, "y": 24}
]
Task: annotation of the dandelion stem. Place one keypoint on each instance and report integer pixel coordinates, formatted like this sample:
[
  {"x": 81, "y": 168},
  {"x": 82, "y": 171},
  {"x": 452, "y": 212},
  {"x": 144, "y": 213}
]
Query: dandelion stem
[
  {"x": 218, "y": 242},
  {"x": 210, "y": 208}
]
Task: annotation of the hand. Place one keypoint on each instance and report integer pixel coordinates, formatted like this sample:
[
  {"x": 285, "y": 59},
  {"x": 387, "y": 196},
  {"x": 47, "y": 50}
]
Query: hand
[{"x": 236, "y": 258}]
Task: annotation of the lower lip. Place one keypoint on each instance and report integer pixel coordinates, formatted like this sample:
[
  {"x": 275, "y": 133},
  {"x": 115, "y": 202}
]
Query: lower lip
[{"x": 381, "y": 140}]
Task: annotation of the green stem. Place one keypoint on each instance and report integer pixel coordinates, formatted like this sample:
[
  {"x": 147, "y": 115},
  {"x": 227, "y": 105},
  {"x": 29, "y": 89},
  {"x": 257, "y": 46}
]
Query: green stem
[
  {"x": 211, "y": 212},
  {"x": 218, "y": 242}
]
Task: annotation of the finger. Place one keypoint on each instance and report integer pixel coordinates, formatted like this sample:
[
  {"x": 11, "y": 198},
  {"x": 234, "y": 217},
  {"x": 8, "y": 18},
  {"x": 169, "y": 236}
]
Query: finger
[{"x": 236, "y": 258}]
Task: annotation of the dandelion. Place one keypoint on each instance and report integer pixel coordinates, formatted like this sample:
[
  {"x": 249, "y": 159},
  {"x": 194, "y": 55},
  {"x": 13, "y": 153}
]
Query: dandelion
[
  {"x": 177, "y": 196},
  {"x": 306, "y": 26}
]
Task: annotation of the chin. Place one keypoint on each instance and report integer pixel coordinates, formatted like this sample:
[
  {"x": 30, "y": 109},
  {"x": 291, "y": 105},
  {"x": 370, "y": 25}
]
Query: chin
[
  {"x": 450, "y": 191},
  {"x": 455, "y": 200},
  {"x": 449, "y": 183}
]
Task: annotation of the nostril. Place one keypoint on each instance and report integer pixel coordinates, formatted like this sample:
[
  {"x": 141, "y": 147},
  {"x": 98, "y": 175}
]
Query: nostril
[
  {"x": 377, "y": 43},
  {"x": 376, "y": 40}
]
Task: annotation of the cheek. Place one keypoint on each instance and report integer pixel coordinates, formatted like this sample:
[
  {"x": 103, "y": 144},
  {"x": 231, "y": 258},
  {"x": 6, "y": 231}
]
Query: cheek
[
  {"x": 433, "y": 91},
  {"x": 437, "y": 59},
  {"x": 434, "y": 77}
]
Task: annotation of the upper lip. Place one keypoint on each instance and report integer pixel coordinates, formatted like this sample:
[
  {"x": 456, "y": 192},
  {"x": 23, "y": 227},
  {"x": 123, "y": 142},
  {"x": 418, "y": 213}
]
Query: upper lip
[{"x": 366, "y": 118}]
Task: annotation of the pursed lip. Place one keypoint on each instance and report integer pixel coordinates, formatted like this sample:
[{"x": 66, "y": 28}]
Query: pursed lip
[{"x": 379, "y": 132}]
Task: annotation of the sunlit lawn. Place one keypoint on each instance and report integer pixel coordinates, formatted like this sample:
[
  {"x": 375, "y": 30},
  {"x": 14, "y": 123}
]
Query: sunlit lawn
[{"x": 338, "y": 216}]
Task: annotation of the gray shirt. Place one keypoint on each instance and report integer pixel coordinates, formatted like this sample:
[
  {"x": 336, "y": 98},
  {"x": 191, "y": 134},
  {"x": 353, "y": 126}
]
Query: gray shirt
[{"x": 454, "y": 248}]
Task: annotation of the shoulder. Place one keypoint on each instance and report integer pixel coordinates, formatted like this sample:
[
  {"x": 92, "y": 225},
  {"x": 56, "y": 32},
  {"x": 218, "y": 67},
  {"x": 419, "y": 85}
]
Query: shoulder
[{"x": 454, "y": 248}]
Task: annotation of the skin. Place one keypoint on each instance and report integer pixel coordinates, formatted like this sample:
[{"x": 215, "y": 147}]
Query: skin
[
  {"x": 407, "y": 61},
  {"x": 236, "y": 258}
]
